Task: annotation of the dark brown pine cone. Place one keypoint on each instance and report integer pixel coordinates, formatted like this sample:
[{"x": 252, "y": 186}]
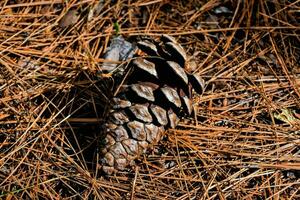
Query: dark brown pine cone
[{"x": 155, "y": 94}]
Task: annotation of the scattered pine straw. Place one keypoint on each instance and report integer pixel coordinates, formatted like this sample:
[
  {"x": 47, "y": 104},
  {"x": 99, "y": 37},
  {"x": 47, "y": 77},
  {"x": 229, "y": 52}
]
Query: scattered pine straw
[{"x": 243, "y": 143}]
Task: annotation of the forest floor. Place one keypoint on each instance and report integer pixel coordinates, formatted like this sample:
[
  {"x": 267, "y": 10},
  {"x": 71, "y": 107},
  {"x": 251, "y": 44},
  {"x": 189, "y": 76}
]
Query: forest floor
[{"x": 243, "y": 143}]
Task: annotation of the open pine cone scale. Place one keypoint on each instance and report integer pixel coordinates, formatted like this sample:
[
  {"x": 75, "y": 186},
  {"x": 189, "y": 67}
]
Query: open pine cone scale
[{"x": 156, "y": 93}]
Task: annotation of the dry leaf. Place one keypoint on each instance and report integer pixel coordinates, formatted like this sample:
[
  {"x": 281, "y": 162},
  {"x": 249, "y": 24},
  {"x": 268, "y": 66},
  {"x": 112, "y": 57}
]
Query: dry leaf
[{"x": 69, "y": 19}]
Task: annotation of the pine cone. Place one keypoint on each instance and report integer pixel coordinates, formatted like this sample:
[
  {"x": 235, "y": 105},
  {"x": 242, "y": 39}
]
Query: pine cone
[{"x": 155, "y": 94}]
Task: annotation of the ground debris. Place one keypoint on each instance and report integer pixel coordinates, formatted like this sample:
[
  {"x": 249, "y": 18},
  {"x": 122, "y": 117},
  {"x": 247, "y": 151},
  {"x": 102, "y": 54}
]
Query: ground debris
[{"x": 242, "y": 141}]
